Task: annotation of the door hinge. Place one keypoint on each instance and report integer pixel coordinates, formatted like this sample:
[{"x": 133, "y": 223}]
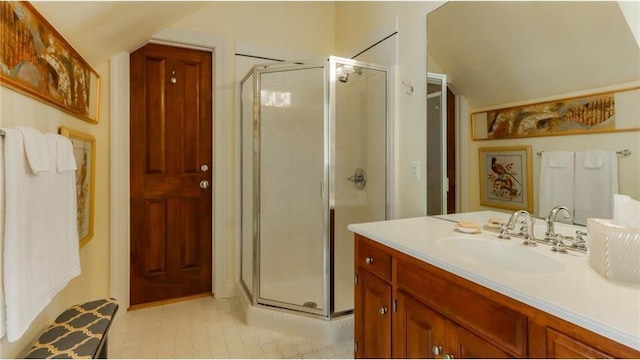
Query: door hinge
[
  {"x": 355, "y": 280},
  {"x": 395, "y": 305},
  {"x": 355, "y": 346}
]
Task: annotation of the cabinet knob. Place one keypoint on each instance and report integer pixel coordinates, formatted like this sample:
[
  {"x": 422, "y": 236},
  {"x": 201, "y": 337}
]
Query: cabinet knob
[
  {"x": 368, "y": 260},
  {"x": 449, "y": 356},
  {"x": 383, "y": 310},
  {"x": 436, "y": 350}
]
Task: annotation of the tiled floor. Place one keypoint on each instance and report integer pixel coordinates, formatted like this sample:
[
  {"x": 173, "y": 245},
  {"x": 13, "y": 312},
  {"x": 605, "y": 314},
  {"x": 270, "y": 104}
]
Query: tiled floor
[{"x": 207, "y": 328}]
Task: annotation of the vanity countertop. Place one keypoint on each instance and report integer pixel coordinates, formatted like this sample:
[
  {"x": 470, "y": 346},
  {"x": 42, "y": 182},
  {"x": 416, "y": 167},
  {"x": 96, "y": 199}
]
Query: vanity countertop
[{"x": 577, "y": 293}]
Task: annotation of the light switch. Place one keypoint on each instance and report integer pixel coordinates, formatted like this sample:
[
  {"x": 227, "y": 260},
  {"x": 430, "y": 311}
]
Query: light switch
[{"x": 415, "y": 169}]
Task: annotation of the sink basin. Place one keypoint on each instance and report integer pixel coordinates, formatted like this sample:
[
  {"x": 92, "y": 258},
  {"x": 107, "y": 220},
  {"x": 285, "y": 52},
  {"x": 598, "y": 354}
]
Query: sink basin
[{"x": 506, "y": 256}]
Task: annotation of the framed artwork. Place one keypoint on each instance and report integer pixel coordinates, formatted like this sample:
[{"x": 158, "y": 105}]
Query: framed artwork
[
  {"x": 505, "y": 177},
  {"x": 38, "y": 62},
  {"x": 598, "y": 113},
  {"x": 84, "y": 151}
]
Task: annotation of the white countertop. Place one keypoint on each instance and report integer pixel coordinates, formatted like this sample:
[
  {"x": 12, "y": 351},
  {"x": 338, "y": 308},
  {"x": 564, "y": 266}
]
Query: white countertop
[{"x": 577, "y": 293}]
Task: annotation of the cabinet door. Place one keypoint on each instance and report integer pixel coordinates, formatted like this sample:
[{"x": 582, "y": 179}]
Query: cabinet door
[
  {"x": 560, "y": 346},
  {"x": 418, "y": 331},
  {"x": 372, "y": 316},
  {"x": 465, "y": 345}
]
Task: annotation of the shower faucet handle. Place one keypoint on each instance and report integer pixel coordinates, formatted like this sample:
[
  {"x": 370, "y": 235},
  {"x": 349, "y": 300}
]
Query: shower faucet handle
[{"x": 368, "y": 260}]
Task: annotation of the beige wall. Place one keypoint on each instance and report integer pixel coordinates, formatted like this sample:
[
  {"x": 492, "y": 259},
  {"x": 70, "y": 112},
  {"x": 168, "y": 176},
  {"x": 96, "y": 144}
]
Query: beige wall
[
  {"x": 17, "y": 109},
  {"x": 628, "y": 167},
  {"x": 375, "y": 21}
]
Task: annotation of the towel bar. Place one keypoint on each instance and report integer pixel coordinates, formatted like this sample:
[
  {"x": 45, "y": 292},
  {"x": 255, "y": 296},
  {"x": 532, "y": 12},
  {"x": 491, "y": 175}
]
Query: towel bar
[{"x": 625, "y": 152}]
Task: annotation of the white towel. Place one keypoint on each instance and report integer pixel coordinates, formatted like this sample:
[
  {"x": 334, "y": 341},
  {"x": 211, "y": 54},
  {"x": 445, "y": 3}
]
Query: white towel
[
  {"x": 65, "y": 161},
  {"x": 36, "y": 148},
  {"x": 596, "y": 180},
  {"x": 556, "y": 181},
  {"x": 593, "y": 159},
  {"x": 41, "y": 236}
]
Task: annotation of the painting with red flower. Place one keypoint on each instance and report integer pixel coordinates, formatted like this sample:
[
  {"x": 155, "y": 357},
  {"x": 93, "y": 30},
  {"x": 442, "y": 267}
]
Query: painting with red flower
[{"x": 505, "y": 177}]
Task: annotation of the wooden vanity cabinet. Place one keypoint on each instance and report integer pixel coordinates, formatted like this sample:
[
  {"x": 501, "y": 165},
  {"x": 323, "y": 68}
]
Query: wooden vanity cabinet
[
  {"x": 417, "y": 330},
  {"x": 406, "y": 308},
  {"x": 372, "y": 301},
  {"x": 373, "y": 318}
]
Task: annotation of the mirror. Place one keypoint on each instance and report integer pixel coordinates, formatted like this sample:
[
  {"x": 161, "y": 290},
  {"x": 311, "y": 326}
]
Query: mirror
[{"x": 506, "y": 54}]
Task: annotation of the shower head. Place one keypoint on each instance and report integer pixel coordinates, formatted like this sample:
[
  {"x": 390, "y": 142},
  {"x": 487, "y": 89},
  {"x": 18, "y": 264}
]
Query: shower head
[{"x": 343, "y": 71}]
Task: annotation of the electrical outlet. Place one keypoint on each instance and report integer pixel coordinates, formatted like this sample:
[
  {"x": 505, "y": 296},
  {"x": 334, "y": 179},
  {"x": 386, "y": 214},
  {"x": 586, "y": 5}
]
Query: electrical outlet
[{"x": 415, "y": 169}]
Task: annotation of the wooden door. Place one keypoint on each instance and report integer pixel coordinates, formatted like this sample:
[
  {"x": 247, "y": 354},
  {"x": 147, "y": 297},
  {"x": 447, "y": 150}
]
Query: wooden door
[
  {"x": 372, "y": 316},
  {"x": 451, "y": 151},
  {"x": 418, "y": 331},
  {"x": 171, "y": 162}
]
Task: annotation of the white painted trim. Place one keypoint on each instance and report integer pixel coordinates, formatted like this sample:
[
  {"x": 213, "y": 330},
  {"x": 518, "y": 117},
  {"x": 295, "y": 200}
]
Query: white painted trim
[
  {"x": 223, "y": 282},
  {"x": 119, "y": 212}
]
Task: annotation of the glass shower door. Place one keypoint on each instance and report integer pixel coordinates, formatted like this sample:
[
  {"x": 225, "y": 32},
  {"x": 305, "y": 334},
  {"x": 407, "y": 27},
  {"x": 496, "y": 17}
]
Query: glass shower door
[
  {"x": 292, "y": 187},
  {"x": 358, "y": 187}
]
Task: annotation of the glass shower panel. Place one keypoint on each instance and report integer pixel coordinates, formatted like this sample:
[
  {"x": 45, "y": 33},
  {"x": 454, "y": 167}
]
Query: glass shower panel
[
  {"x": 292, "y": 175},
  {"x": 247, "y": 245},
  {"x": 358, "y": 167}
]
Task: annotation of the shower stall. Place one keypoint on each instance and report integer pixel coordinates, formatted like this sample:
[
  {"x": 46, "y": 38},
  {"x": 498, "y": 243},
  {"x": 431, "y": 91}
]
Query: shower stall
[{"x": 314, "y": 159}]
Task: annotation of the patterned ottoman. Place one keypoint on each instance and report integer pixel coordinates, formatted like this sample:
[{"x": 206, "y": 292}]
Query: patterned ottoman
[{"x": 79, "y": 332}]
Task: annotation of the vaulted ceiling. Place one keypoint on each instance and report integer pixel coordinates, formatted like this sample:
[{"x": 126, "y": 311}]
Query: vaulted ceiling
[
  {"x": 493, "y": 52},
  {"x": 503, "y": 52}
]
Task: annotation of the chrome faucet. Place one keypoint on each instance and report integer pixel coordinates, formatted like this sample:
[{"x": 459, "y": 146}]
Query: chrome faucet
[
  {"x": 550, "y": 235},
  {"x": 529, "y": 240}
]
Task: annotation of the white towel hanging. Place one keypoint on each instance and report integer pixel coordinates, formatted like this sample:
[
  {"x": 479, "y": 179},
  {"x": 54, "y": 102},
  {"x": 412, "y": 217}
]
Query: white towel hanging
[
  {"x": 41, "y": 236},
  {"x": 556, "y": 181},
  {"x": 594, "y": 184},
  {"x": 35, "y": 147}
]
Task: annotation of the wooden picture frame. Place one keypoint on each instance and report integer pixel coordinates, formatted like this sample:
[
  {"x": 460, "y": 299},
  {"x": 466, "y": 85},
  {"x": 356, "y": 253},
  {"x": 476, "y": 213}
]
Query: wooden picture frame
[
  {"x": 605, "y": 112},
  {"x": 37, "y": 61},
  {"x": 84, "y": 151},
  {"x": 505, "y": 177}
]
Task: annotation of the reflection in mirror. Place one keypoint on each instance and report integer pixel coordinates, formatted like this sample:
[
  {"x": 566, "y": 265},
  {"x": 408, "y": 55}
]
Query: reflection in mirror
[
  {"x": 505, "y": 54},
  {"x": 436, "y": 146}
]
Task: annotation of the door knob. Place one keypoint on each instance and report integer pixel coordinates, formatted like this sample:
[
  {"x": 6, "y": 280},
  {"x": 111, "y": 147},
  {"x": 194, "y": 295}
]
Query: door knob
[
  {"x": 368, "y": 260},
  {"x": 383, "y": 310},
  {"x": 204, "y": 184},
  {"x": 436, "y": 350},
  {"x": 204, "y": 168}
]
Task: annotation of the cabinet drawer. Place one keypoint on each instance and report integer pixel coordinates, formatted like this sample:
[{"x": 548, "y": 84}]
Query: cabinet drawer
[
  {"x": 505, "y": 327},
  {"x": 373, "y": 258}
]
